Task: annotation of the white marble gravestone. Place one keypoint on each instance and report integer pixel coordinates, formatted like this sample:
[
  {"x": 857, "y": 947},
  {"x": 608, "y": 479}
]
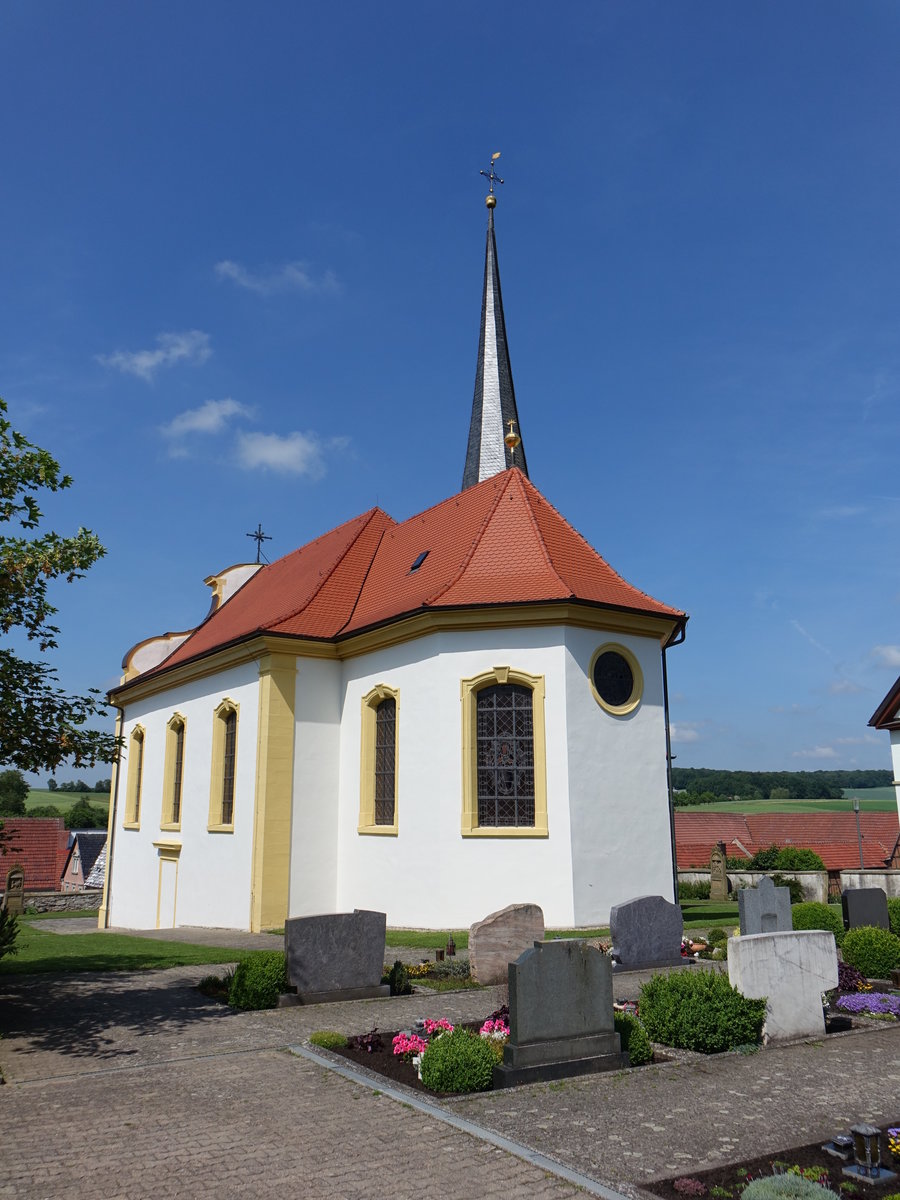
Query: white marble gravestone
[{"x": 792, "y": 969}]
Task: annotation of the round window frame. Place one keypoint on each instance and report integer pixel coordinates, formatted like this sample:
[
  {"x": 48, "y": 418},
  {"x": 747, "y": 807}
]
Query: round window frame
[{"x": 637, "y": 678}]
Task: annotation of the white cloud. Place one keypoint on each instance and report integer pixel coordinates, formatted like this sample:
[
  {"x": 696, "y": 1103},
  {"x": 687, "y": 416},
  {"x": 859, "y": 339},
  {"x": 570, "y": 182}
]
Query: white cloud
[
  {"x": 293, "y": 454},
  {"x": 816, "y": 752},
  {"x": 843, "y": 687},
  {"x": 886, "y": 656},
  {"x": 211, "y": 417},
  {"x": 684, "y": 733},
  {"x": 841, "y": 512},
  {"x": 289, "y": 277},
  {"x": 812, "y": 641},
  {"x": 867, "y": 739},
  {"x": 171, "y": 348}
]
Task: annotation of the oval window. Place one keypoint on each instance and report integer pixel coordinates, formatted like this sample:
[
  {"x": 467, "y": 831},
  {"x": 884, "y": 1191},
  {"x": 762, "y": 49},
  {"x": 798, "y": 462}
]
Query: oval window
[{"x": 616, "y": 679}]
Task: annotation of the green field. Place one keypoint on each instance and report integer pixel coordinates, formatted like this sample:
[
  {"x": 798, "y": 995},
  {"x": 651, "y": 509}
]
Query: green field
[
  {"x": 38, "y": 798},
  {"x": 870, "y": 800}
]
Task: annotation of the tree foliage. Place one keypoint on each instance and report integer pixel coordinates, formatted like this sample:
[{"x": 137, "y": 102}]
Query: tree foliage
[
  {"x": 703, "y": 785},
  {"x": 82, "y": 815},
  {"x": 13, "y": 794},
  {"x": 40, "y": 724}
]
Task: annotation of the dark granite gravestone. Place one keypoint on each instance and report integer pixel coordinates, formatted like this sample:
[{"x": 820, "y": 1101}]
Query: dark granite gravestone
[
  {"x": 765, "y": 908},
  {"x": 336, "y": 956},
  {"x": 560, "y": 1015},
  {"x": 865, "y": 906},
  {"x": 14, "y": 898},
  {"x": 646, "y": 932}
]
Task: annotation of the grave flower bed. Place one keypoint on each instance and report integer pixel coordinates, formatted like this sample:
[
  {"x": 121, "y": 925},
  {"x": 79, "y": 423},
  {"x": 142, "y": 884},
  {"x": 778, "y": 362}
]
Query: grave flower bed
[{"x": 809, "y": 1161}]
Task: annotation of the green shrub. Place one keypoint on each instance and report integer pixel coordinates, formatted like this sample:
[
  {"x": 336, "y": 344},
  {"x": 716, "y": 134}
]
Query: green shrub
[
  {"x": 894, "y": 914},
  {"x": 258, "y": 981},
  {"x": 786, "y": 1187},
  {"x": 328, "y": 1039},
  {"x": 693, "y": 891},
  {"x": 717, "y": 936},
  {"x": 9, "y": 931},
  {"x": 875, "y": 952},
  {"x": 813, "y": 915},
  {"x": 794, "y": 886},
  {"x": 699, "y": 1010},
  {"x": 398, "y": 978},
  {"x": 460, "y": 1061},
  {"x": 798, "y": 858},
  {"x": 634, "y": 1039}
]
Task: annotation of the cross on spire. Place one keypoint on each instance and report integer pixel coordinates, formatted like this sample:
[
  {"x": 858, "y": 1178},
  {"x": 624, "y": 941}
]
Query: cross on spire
[
  {"x": 259, "y": 537},
  {"x": 491, "y": 200}
]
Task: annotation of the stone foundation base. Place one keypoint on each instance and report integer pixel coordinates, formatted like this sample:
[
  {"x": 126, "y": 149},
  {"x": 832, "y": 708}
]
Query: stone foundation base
[
  {"x": 505, "y": 1076},
  {"x": 290, "y": 999}
]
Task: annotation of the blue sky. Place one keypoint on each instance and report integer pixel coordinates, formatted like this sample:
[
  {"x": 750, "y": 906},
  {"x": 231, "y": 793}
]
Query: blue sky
[{"x": 242, "y": 251}]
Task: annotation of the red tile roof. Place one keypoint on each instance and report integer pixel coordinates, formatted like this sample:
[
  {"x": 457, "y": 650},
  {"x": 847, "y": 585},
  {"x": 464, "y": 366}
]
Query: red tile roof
[
  {"x": 887, "y": 714},
  {"x": 42, "y": 850},
  {"x": 499, "y": 542},
  {"x": 832, "y": 835}
]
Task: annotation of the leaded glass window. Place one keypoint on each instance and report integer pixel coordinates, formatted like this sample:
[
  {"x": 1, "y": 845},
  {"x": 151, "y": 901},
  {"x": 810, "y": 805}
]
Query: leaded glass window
[
  {"x": 137, "y": 743},
  {"x": 177, "y": 772},
  {"x": 228, "y": 767},
  {"x": 505, "y": 765},
  {"x": 385, "y": 761}
]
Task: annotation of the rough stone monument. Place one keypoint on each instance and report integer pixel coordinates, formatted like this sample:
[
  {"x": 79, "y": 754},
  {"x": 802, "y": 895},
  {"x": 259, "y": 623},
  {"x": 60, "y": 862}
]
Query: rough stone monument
[
  {"x": 865, "y": 906},
  {"x": 14, "y": 898},
  {"x": 646, "y": 932},
  {"x": 718, "y": 879},
  {"x": 500, "y": 938},
  {"x": 560, "y": 1015},
  {"x": 765, "y": 908},
  {"x": 792, "y": 970},
  {"x": 336, "y": 956}
]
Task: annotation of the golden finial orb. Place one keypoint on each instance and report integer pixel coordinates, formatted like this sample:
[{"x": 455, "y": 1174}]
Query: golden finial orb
[
  {"x": 512, "y": 440},
  {"x": 491, "y": 200}
]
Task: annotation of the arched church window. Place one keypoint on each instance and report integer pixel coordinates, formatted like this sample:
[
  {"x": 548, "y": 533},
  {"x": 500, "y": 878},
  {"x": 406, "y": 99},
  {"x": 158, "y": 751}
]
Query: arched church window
[
  {"x": 378, "y": 768},
  {"x": 134, "y": 779},
  {"x": 224, "y": 768},
  {"x": 173, "y": 773}
]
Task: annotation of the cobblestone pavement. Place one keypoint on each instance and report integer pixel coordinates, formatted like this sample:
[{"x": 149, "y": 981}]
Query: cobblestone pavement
[{"x": 135, "y": 1085}]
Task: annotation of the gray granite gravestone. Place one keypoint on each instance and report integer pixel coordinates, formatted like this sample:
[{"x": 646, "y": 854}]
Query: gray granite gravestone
[
  {"x": 718, "y": 879},
  {"x": 336, "y": 956},
  {"x": 560, "y": 1015},
  {"x": 865, "y": 906},
  {"x": 14, "y": 898},
  {"x": 646, "y": 932},
  {"x": 501, "y": 937},
  {"x": 765, "y": 909}
]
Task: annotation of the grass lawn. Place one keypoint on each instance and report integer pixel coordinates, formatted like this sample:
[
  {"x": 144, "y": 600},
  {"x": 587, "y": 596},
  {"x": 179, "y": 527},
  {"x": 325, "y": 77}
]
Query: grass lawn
[
  {"x": 704, "y": 914},
  {"x": 428, "y": 939},
  {"x": 39, "y": 798},
  {"x": 870, "y": 800},
  {"x": 66, "y": 915},
  {"x": 40, "y": 951}
]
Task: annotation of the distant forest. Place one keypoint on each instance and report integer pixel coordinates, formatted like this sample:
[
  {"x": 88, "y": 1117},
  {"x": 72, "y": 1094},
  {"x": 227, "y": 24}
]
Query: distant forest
[{"x": 701, "y": 785}]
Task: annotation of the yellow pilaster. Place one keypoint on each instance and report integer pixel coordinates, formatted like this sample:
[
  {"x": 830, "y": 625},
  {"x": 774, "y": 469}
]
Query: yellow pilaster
[
  {"x": 113, "y": 784},
  {"x": 274, "y": 788}
]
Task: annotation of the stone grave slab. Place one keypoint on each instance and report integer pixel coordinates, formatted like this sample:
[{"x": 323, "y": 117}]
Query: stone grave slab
[
  {"x": 336, "y": 956},
  {"x": 792, "y": 969},
  {"x": 560, "y": 1015},
  {"x": 500, "y": 938},
  {"x": 765, "y": 908},
  {"x": 865, "y": 906},
  {"x": 14, "y": 897},
  {"x": 718, "y": 878},
  {"x": 646, "y": 932}
]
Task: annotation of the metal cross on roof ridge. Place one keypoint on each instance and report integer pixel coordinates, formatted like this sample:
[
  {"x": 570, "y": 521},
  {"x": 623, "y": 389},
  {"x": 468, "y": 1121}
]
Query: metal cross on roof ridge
[
  {"x": 260, "y": 537},
  {"x": 490, "y": 174}
]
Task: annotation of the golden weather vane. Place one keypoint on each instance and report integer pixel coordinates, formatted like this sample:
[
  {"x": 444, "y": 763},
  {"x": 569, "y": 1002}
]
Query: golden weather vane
[{"x": 491, "y": 200}]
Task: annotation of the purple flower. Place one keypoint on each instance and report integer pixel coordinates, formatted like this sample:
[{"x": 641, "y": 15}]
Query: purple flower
[{"x": 872, "y": 1002}]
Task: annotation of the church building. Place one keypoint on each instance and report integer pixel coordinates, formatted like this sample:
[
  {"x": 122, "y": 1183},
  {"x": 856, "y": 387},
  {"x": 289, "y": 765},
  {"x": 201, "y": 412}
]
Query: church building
[{"x": 432, "y": 718}]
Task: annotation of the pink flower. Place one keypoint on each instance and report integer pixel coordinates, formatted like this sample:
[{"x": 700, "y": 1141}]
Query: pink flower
[
  {"x": 440, "y": 1026},
  {"x": 408, "y": 1043},
  {"x": 494, "y": 1029}
]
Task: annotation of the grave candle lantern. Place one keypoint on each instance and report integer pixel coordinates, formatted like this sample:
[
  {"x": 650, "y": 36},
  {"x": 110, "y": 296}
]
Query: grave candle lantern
[
  {"x": 867, "y": 1149},
  {"x": 451, "y": 947}
]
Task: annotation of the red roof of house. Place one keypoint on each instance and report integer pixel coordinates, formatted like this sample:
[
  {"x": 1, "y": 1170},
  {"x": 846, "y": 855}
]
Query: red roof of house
[
  {"x": 832, "y": 835},
  {"x": 497, "y": 543},
  {"x": 42, "y": 850}
]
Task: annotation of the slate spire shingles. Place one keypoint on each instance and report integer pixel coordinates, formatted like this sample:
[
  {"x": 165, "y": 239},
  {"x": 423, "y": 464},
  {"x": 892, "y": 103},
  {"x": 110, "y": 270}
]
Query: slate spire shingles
[{"x": 494, "y": 402}]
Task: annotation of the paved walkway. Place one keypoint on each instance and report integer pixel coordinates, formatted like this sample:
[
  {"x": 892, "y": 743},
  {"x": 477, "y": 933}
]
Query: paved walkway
[{"x": 134, "y": 1085}]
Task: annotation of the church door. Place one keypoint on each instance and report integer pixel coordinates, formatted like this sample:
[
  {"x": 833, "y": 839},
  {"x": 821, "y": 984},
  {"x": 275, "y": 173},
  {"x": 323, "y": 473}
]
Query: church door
[{"x": 168, "y": 887}]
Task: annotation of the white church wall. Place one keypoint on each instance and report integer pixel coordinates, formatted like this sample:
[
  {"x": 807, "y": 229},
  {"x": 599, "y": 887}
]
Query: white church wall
[
  {"x": 429, "y": 875},
  {"x": 621, "y": 845},
  {"x": 314, "y": 824},
  {"x": 895, "y": 761},
  {"x": 213, "y": 876}
]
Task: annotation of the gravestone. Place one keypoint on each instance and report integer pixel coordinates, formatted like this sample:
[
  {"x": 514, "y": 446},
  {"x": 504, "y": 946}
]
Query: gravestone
[
  {"x": 865, "y": 906},
  {"x": 14, "y": 899},
  {"x": 646, "y": 932},
  {"x": 336, "y": 956},
  {"x": 500, "y": 938},
  {"x": 792, "y": 969},
  {"x": 718, "y": 879},
  {"x": 560, "y": 1015},
  {"x": 765, "y": 909}
]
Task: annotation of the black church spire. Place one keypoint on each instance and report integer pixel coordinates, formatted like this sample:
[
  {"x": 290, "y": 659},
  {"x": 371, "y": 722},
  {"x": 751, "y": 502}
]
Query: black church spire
[{"x": 491, "y": 449}]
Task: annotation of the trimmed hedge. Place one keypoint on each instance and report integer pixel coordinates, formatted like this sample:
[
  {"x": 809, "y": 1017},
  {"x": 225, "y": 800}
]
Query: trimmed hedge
[
  {"x": 814, "y": 915},
  {"x": 460, "y": 1061},
  {"x": 875, "y": 952},
  {"x": 328, "y": 1039},
  {"x": 786, "y": 1187},
  {"x": 699, "y": 1010},
  {"x": 894, "y": 914},
  {"x": 633, "y": 1037},
  {"x": 258, "y": 981}
]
